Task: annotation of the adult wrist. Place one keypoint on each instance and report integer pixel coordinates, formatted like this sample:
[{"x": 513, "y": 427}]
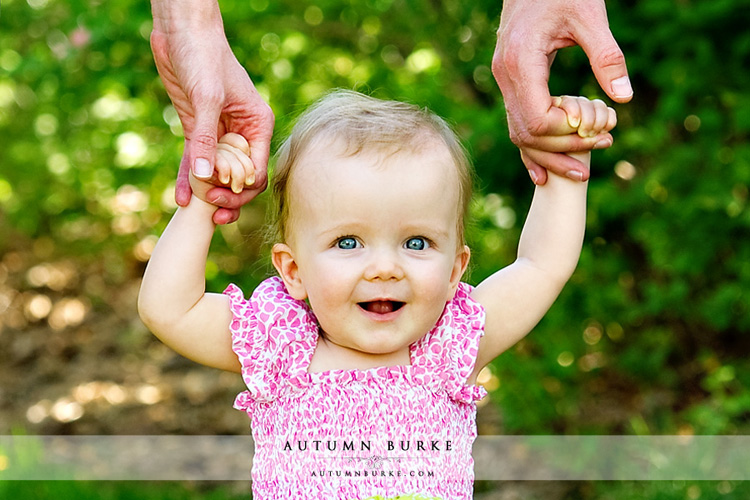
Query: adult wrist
[{"x": 171, "y": 16}]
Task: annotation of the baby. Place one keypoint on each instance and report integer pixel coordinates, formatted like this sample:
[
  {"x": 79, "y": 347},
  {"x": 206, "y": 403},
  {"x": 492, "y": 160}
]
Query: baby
[{"x": 361, "y": 356}]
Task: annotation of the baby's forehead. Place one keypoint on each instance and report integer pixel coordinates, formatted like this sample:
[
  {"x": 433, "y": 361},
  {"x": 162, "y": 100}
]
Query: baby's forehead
[
  {"x": 331, "y": 171},
  {"x": 428, "y": 146}
]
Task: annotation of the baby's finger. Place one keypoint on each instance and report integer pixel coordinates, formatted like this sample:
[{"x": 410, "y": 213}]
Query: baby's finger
[
  {"x": 572, "y": 110},
  {"x": 248, "y": 168},
  {"x": 611, "y": 119},
  {"x": 243, "y": 173},
  {"x": 236, "y": 141},
  {"x": 237, "y": 171},
  {"x": 602, "y": 116},
  {"x": 223, "y": 164},
  {"x": 238, "y": 177},
  {"x": 588, "y": 118}
]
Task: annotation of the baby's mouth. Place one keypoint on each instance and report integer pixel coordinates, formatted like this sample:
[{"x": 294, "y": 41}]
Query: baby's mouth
[{"x": 381, "y": 306}]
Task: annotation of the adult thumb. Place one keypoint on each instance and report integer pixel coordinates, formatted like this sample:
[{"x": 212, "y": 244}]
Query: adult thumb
[
  {"x": 201, "y": 145},
  {"x": 607, "y": 62}
]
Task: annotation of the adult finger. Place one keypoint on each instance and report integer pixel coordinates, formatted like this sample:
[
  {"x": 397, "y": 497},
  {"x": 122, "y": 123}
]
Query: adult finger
[
  {"x": 224, "y": 197},
  {"x": 201, "y": 145},
  {"x": 226, "y": 215},
  {"x": 182, "y": 191},
  {"x": 260, "y": 142},
  {"x": 558, "y": 163},
  {"x": 230, "y": 202},
  {"x": 522, "y": 73},
  {"x": 570, "y": 142},
  {"x": 607, "y": 60},
  {"x": 537, "y": 173}
]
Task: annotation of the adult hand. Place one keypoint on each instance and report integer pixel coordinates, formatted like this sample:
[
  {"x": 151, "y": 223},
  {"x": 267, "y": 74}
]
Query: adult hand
[
  {"x": 530, "y": 33},
  {"x": 212, "y": 94}
]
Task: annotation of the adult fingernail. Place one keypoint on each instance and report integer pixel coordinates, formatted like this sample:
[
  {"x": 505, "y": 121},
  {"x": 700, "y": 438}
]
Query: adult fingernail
[
  {"x": 202, "y": 168},
  {"x": 533, "y": 176},
  {"x": 603, "y": 144},
  {"x": 574, "y": 175},
  {"x": 621, "y": 87}
]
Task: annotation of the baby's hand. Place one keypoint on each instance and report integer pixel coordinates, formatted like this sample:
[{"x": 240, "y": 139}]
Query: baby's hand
[
  {"x": 233, "y": 167},
  {"x": 586, "y": 117}
]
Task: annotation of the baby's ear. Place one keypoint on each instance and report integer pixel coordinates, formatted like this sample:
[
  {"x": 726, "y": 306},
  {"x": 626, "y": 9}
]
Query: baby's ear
[
  {"x": 459, "y": 268},
  {"x": 283, "y": 260}
]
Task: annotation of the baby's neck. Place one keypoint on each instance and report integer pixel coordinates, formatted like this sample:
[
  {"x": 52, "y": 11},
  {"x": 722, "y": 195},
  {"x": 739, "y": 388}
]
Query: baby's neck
[{"x": 329, "y": 356}]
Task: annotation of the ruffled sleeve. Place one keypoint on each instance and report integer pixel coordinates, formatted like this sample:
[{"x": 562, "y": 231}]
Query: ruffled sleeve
[
  {"x": 449, "y": 351},
  {"x": 273, "y": 336}
]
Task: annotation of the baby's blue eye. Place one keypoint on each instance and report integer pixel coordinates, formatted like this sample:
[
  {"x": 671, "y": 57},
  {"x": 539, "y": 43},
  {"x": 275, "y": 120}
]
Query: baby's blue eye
[
  {"x": 416, "y": 244},
  {"x": 347, "y": 243}
]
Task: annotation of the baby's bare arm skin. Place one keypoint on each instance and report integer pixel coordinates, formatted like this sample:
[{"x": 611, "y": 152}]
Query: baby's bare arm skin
[
  {"x": 516, "y": 297},
  {"x": 173, "y": 301}
]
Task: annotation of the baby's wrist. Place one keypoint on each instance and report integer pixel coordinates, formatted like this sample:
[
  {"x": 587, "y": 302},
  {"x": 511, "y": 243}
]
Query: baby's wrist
[{"x": 202, "y": 206}]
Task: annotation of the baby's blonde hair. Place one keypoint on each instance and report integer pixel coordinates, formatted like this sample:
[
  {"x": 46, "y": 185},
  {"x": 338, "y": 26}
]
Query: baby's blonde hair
[{"x": 365, "y": 123}]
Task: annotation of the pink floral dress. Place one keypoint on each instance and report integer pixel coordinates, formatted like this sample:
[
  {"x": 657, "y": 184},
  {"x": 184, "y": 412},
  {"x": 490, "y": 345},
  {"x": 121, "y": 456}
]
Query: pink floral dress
[{"x": 351, "y": 434}]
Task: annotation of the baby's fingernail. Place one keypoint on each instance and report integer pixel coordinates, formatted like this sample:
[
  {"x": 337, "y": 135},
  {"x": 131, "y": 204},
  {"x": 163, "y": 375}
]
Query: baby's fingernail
[
  {"x": 250, "y": 180},
  {"x": 202, "y": 168},
  {"x": 533, "y": 176},
  {"x": 574, "y": 121},
  {"x": 574, "y": 175},
  {"x": 621, "y": 87},
  {"x": 236, "y": 189}
]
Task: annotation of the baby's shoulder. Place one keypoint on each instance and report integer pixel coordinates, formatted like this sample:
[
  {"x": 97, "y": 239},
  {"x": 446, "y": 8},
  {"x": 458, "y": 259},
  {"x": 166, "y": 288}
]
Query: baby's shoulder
[
  {"x": 269, "y": 300},
  {"x": 462, "y": 314},
  {"x": 269, "y": 320}
]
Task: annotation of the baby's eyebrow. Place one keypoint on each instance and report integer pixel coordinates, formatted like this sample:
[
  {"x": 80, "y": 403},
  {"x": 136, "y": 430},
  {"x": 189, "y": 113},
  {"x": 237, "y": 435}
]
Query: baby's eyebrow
[{"x": 430, "y": 231}]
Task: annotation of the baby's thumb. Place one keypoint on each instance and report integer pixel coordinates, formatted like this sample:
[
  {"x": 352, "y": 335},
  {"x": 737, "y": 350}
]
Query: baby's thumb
[{"x": 202, "y": 144}]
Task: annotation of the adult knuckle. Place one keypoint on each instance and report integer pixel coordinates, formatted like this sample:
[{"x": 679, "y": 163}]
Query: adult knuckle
[
  {"x": 509, "y": 56},
  {"x": 535, "y": 127},
  {"x": 521, "y": 136},
  {"x": 204, "y": 140},
  {"x": 610, "y": 57}
]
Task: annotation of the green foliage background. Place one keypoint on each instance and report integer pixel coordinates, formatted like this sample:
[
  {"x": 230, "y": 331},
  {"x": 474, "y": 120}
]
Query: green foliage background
[{"x": 650, "y": 336}]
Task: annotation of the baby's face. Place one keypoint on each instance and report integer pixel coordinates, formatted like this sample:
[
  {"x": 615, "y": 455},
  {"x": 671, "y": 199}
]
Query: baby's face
[{"x": 374, "y": 243}]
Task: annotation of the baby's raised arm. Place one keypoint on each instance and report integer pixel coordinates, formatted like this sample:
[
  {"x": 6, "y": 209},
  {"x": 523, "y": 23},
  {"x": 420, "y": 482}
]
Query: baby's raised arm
[
  {"x": 516, "y": 297},
  {"x": 173, "y": 301}
]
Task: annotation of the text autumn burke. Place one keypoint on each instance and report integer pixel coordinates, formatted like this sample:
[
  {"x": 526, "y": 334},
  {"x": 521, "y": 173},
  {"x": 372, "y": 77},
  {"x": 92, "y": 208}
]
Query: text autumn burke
[{"x": 333, "y": 445}]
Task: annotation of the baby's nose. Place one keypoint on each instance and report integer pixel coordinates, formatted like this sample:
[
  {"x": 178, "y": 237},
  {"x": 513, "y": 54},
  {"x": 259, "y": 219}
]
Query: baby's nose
[{"x": 384, "y": 264}]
